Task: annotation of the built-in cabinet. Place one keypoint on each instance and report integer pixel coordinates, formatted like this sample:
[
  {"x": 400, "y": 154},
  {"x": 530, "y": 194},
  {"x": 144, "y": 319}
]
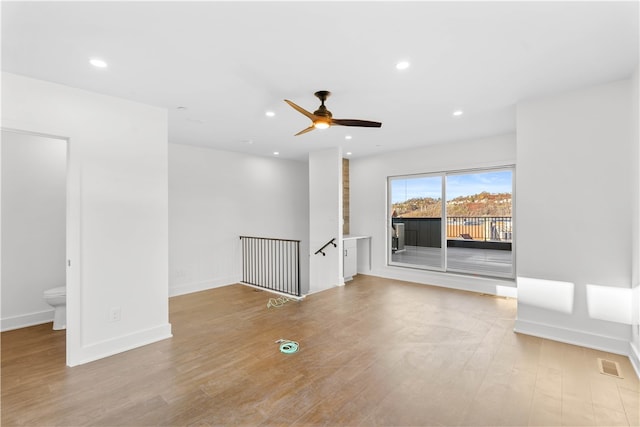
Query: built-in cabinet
[
  {"x": 350, "y": 255},
  {"x": 350, "y": 263}
]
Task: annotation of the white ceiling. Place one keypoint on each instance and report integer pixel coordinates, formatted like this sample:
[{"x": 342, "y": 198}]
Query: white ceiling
[{"x": 230, "y": 62}]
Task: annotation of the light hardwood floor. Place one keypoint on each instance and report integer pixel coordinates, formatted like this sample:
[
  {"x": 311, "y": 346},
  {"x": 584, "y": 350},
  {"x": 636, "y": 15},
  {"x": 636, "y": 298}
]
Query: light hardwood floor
[{"x": 375, "y": 352}]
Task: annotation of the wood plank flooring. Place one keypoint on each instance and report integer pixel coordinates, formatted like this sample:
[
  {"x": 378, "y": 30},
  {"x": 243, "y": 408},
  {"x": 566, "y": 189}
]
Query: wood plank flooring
[{"x": 375, "y": 352}]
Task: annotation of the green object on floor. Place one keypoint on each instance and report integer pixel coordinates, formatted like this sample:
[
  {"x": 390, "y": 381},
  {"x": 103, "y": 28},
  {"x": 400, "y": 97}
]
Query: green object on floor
[{"x": 288, "y": 346}]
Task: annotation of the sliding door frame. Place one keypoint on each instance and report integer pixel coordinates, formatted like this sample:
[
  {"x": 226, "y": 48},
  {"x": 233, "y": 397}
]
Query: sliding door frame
[{"x": 444, "y": 265}]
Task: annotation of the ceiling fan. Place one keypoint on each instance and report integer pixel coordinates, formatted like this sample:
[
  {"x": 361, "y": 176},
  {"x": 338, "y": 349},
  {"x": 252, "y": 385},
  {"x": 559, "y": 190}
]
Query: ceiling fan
[{"x": 322, "y": 118}]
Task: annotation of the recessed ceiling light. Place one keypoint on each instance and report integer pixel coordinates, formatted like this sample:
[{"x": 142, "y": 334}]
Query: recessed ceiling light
[
  {"x": 270, "y": 114},
  {"x": 275, "y": 153},
  {"x": 458, "y": 113},
  {"x": 402, "y": 65},
  {"x": 99, "y": 63},
  {"x": 348, "y": 153},
  {"x": 347, "y": 137},
  {"x": 181, "y": 108}
]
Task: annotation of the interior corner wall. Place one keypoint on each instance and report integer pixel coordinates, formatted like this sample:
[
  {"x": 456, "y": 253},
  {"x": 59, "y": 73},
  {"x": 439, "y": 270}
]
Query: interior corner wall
[
  {"x": 574, "y": 209},
  {"x": 635, "y": 226},
  {"x": 216, "y": 196},
  {"x": 369, "y": 210},
  {"x": 117, "y": 211},
  {"x": 325, "y": 219}
]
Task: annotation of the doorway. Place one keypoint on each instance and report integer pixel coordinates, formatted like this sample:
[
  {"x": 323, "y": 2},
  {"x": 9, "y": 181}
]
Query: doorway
[{"x": 34, "y": 225}]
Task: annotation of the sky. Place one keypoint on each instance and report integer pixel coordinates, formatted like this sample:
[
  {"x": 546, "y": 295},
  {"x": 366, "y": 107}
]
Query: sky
[{"x": 457, "y": 185}]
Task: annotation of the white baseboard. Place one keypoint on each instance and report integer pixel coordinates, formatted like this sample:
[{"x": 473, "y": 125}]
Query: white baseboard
[
  {"x": 572, "y": 336},
  {"x": 271, "y": 291},
  {"x": 483, "y": 285},
  {"x": 315, "y": 291},
  {"x": 89, "y": 353},
  {"x": 25, "y": 320},
  {"x": 634, "y": 357},
  {"x": 188, "y": 288}
]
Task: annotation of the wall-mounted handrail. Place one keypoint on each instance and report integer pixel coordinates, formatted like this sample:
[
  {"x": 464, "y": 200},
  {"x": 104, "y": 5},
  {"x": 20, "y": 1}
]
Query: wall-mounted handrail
[{"x": 330, "y": 242}]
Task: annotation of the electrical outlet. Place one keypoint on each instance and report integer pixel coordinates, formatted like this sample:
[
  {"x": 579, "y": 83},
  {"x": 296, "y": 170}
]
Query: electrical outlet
[{"x": 115, "y": 314}]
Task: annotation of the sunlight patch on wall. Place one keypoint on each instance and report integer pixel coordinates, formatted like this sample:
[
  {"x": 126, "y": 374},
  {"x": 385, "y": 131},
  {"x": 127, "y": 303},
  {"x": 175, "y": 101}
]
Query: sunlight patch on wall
[
  {"x": 609, "y": 303},
  {"x": 548, "y": 294}
]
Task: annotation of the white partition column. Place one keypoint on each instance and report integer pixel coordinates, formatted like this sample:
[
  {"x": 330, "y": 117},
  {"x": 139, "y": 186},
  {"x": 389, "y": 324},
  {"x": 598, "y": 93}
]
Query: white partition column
[{"x": 325, "y": 219}]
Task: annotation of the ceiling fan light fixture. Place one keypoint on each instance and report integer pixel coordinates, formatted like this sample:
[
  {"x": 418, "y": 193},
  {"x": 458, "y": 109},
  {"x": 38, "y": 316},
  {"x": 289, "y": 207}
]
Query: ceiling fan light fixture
[{"x": 320, "y": 124}]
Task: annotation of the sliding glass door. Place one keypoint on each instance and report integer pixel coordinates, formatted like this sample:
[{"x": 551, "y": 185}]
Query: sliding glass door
[
  {"x": 479, "y": 222},
  {"x": 471, "y": 233},
  {"x": 416, "y": 221}
]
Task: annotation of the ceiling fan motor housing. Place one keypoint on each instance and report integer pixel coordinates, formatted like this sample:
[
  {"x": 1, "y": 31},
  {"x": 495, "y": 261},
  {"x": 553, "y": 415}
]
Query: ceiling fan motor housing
[{"x": 323, "y": 112}]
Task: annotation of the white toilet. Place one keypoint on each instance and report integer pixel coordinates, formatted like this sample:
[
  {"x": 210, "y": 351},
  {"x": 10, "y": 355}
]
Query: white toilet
[{"x": 57, "y": 298}]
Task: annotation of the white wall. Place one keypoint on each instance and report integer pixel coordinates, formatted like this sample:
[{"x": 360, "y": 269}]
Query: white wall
[
  {"x": 34, "y": 181},
  {"x": 215, "y": 197},
  {"x": 325, "y": 219},
  {"x": 635, "y": 226},
  {"x": 117, "y": 211},
  {"x": 574, "y": 216},
  {"x": 369, "y": 216}
]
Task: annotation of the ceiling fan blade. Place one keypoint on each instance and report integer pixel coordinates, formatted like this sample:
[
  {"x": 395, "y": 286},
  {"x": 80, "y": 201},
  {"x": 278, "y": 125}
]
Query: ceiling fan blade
[
  {"x": 353, "y": 122},
  {"x": 310, "y": 128},
  {"x": 300, "y": 109}
]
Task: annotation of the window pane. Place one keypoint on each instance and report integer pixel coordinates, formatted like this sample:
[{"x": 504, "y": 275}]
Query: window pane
[
  {"x": 479, "y": 223},
  {"x": 416, "y": 221}
]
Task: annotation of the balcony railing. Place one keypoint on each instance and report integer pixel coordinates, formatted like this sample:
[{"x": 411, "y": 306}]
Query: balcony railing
[
  {"x": 427, "y": 232},
  {"x": 494, "y": 228}
]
